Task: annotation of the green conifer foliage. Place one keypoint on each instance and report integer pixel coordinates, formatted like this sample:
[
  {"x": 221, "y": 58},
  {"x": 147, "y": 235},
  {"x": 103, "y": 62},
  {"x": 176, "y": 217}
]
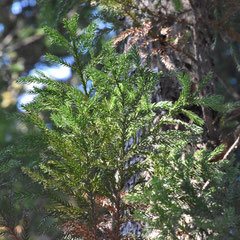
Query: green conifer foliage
[
  {"x": 188, "y": 195},
  {"x": 19, "y": 196},
  {"x": 96, "y": 131},
  {"x": 87, "y": 154}
]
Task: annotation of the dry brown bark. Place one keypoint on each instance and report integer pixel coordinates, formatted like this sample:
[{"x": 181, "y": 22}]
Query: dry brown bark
[{"x": 176, "y": 41}]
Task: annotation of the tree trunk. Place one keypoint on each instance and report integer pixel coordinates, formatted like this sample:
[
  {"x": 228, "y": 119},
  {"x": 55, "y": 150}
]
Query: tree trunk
[{"x": 175, "y": 41}]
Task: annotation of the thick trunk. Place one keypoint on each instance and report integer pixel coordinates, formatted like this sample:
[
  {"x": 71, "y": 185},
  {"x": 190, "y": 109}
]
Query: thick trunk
[{"x": 175, "y": 41}]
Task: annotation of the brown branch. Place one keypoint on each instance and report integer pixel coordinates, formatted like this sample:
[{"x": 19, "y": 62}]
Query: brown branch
[
  {"x": 26, "y": 42},
  {"x": 234, "y": 145},
  {"x": 12, "y": 233}
]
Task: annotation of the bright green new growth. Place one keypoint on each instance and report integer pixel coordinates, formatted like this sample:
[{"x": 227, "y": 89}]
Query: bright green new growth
[
  {"x": 188, "y": 195},
  {"x": 95, "y": 131},
  {"x": 87, "y": 154}
]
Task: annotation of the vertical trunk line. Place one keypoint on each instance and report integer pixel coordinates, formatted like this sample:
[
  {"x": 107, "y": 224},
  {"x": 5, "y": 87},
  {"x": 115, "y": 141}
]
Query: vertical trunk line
[
  {"x": 93, "y": 216},
  {"x": 201, "y": 66},
  {"x": 117, "y": 219}
]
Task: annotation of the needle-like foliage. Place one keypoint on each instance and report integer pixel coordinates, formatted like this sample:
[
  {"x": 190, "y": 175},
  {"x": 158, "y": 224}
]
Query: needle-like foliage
[
  {"x": 90, "y": 132},
  {"x": 102, "y": 138}
]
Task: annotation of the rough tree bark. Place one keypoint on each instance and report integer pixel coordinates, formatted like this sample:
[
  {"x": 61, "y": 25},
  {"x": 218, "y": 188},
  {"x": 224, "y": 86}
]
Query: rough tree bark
[{"x": 176, "y": 41}]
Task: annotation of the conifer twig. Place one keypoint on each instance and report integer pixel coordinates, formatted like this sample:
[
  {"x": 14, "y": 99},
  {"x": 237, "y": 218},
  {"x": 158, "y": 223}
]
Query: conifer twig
[{"x": 231, "y": 148}]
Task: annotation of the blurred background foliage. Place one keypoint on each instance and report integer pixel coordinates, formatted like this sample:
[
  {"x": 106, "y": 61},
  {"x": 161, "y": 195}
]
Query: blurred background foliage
[{"x": 22, "y": 49}]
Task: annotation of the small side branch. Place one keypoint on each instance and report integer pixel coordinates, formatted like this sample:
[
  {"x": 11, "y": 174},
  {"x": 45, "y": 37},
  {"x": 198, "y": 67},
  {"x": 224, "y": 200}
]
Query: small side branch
[{"x": 231, "y": 148}]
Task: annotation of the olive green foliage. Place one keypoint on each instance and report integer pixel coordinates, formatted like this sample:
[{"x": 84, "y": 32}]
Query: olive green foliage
[
  {"x": 52, "y": 12},
  {"x": 177, "y": 4},
  {"x": 19, "y": 196},
  {"x": 89, "y": 128},
  {"x": 188, "y": 194},
  {"x": 90, "y": 134}
]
